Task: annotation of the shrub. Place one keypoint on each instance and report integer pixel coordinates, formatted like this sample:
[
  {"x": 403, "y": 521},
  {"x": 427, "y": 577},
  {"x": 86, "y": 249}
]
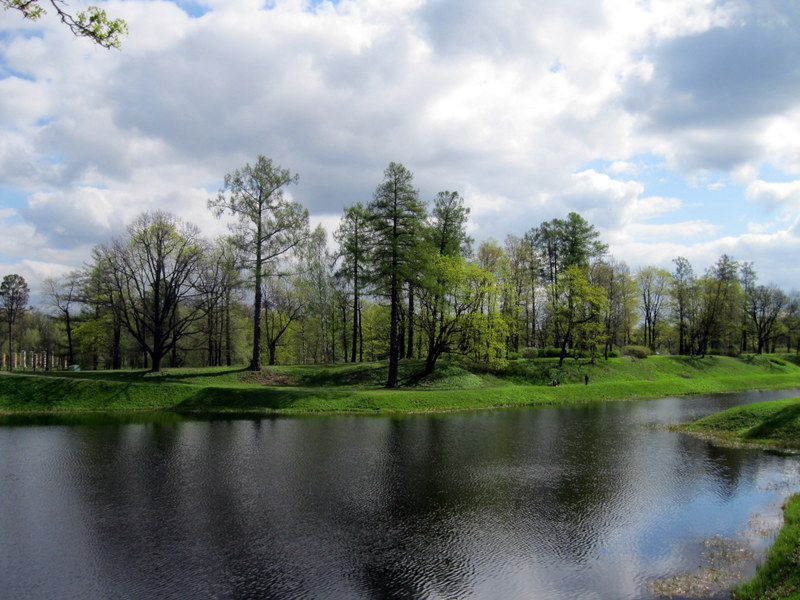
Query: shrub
[
  {"x": 551, "y": 352},
  {"x": 636, "y": 351},
  {"x": 530, "y": 352}
]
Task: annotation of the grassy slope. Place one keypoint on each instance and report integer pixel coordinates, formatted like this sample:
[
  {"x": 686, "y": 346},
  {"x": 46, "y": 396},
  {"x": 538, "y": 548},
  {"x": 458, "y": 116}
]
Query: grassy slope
[
  {"x": 779, "y": 577},
  {"x": 775, "y": 422},
  {"x": 358, "y": 387}
]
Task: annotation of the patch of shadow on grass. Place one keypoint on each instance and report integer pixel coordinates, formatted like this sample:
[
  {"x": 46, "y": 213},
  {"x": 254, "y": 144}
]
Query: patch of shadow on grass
[
  {"x": 212, "y": 399},
  {"x": 783, "y": 425}
]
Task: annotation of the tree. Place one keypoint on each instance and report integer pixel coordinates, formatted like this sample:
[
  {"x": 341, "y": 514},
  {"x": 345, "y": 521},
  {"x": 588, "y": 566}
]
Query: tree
[
  {"x": 578, "y": 310},
  {"x": 764, "y": 306},
  {"x": 268, "y": 224},
  {"x": 653, "y": 286},
  {"x": 452, "y": 299},
  {"x": 64, "y": 293},
  {"x": 621, "y": 296},
  {"x": 155, "y": 271},
  {"x": 448, "y": 225},
  {"x": 93, "y": 24},
  {"x": 684, "y": 297},
  {"x": 564, "y": 243},
  {"x": 314, "y": 285},
  {"x": 491, "y": 330},
  {"x": 719, "y": 305},
  {"x": 355, "y": 251},
  {"x": 219, "y": 286},
  {"x": 396, "y": 218},
  {"x": 526, "y": 270},
  {"x": 747, "y": 278},
  {"x": 283, "y": 306},
  {"x": 14, "y": 295}
]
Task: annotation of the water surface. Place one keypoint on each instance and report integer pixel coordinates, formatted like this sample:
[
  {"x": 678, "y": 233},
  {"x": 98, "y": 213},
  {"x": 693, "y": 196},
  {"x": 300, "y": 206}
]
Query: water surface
[{"x": 572, "y": 502}]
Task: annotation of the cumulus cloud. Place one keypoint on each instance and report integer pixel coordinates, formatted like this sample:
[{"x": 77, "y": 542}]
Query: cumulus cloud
[
  {"x": 781, "y": 197},
  {"x": 512, "y": 104},
  {"x": 714, "y": 90}
]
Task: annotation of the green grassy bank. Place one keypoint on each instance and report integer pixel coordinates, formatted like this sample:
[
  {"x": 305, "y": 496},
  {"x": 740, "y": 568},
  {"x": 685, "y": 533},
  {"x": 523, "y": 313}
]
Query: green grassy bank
[
  {"x": 779, "y": 577},
  {"x": 357, "y": 388},
  {"x": 774, "y": 423}
]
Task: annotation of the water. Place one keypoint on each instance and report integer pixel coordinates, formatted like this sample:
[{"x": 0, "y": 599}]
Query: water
[{"x": 549, "y": 503}]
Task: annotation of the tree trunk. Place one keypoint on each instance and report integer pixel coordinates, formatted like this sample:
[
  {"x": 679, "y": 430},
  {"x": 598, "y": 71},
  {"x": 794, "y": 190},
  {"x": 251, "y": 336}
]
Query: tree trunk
[
  {"x": 69, "y": 338},
  {"x": 116, "y": 353},
  {"x": 355, "y": 313},
  {"x": 228, "y": 341},
  {"x": 410, "y": 323},
  {"x": 394, "y": 347},
  {"x": 255, "y": 361}
]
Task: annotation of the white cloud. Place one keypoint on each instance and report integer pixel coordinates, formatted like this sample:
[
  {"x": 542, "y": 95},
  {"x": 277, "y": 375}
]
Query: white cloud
[
  {"x": 758, "y": 227},
  {"x": 781, "y": 197},
  {"x": 509, "y": 103}
]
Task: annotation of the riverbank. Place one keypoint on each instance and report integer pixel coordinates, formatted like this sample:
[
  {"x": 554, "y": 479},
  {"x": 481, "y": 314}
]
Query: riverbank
[
  {"x": 774, "y": 423},
  {"x": 779, "y": 577},
  {"x": 357, "y": 387}
]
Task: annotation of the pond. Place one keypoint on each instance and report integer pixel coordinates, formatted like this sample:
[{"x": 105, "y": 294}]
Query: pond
[{"x": 587, "y": 501}]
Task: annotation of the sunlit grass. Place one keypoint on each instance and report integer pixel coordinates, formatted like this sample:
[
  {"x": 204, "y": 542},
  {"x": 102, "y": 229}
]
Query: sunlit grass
[
  {"x": 359, "y": 387},
  {"x": 779, "y": 577}
]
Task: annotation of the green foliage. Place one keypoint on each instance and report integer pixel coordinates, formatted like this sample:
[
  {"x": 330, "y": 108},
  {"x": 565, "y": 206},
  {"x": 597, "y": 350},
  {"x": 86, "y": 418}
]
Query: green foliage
[
  {"x": 636, "y": 351},
  {"x": 397, "y": 217},
  {"x": 93, "y": 23}
]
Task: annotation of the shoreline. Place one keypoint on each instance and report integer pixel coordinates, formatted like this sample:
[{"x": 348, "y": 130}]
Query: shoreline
[{"x": 43, "y": 394}]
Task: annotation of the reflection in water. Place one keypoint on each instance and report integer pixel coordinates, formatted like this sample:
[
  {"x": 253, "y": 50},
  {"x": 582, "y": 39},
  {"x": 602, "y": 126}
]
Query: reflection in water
[{"x": 574, "y": 502}]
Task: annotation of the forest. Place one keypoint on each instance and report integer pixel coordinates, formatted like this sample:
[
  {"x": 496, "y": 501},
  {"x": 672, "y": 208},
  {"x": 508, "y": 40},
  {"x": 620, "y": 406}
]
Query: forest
[{"x": 405, "y": 280}]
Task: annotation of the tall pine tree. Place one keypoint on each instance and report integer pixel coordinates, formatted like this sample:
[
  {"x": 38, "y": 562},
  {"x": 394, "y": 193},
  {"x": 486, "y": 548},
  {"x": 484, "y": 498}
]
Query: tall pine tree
[{"x": 396, "y": 216}]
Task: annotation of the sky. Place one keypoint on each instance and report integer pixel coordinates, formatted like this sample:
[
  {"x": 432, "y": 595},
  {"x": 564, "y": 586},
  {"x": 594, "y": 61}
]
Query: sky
[{"x": 672, "y": 126}]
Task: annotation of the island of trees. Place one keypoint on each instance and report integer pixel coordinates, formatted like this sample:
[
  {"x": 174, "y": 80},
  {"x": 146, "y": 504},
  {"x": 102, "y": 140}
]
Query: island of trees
[{"x": 404, "y": 281}]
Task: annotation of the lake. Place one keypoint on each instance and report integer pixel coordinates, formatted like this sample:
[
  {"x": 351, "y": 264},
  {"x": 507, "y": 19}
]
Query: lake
[{"x": 575, "y": 502}]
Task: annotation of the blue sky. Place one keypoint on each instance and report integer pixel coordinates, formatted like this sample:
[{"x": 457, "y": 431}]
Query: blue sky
[{"x": 672, "y": 125}]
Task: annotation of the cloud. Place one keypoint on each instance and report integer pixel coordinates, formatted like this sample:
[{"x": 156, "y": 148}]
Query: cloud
[
  {"x": 512, "y": 104},
  {"x": 781, "y": 197},
  {"x": 714, "y": 90}
]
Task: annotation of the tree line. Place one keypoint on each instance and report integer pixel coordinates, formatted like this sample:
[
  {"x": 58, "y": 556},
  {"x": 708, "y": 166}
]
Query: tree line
[{"x": 404, "y": 281}]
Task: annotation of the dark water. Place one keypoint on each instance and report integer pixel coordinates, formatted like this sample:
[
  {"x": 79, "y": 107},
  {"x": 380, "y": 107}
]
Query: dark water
[{"x": 550, "y": 503}]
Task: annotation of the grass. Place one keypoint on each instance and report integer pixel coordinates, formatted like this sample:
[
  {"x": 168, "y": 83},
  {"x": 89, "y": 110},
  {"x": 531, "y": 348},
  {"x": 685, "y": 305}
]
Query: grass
[
  {"x": 358, "y": 387},
  {"x": 779, "y": 577},
  {"x": 773, "y": 423}
]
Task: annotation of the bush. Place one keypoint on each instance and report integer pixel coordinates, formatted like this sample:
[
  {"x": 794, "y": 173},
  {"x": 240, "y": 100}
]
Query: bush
[
  {"x": 636, "y": 351},
  {"x": 613, "y": 354},
  {"x": 530, "y": 352},
  {"x": 551, "y": 352}
]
